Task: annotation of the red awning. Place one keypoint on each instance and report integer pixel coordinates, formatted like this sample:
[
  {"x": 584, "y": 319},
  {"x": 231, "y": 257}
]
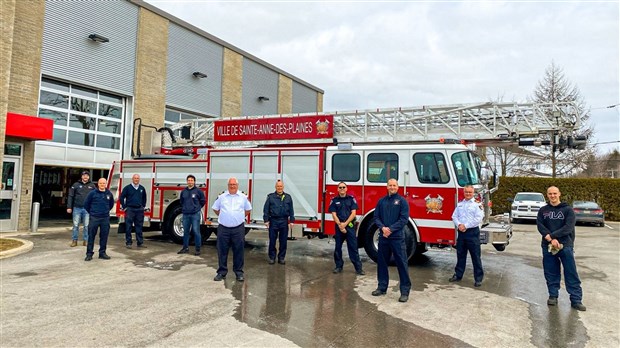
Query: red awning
[{"x": 29, "y": 127}]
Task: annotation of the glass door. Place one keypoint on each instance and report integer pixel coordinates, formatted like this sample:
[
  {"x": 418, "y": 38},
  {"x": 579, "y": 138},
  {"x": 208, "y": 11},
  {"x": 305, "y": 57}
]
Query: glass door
[{"x": 9, "y": 194}]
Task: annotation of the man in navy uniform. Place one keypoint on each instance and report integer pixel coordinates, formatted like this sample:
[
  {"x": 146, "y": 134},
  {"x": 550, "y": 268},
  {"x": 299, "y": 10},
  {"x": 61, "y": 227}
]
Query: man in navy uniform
[
  {"x": 192, "y": 200},
  {"x": 133, "y": 202},
  {"x": 278, "y": 215},
  {"x": 391, "y": 217},
  {"x": 98, "y": 204},
  {"x": 467, "y": 218},
  {"x": 343, "y": 208}
]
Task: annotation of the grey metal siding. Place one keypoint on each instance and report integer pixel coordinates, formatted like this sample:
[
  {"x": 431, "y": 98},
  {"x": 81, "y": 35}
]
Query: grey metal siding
[
  {"x": 304, "y": 98},
  {"x": 189, "y": 52},
  {"x": 69, "y": 54},
  {"x": 258, "y": 81}
]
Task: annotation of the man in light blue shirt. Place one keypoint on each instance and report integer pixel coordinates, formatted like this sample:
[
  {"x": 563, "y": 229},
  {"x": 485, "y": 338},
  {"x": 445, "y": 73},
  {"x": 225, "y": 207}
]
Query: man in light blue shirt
[
  {"x": 467, "y": 218},
  {"x": 231, "y": 207}
]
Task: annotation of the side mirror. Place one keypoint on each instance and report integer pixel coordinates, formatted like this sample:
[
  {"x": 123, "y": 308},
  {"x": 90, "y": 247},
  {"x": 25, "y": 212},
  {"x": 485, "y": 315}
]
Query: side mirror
[{"x": 510, "y": 200}]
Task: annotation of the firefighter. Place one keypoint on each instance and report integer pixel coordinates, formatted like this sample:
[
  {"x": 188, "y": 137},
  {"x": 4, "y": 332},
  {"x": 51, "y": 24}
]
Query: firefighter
[
  {"x": 98, "y": 204},
  {"x": 467, "y": 217},
  {"x": 192, "y": 200},
  {"x": 279, "y": 216},
  {"x": 133, "y": 203},
  {"x": 343, "y": 208},
  {"x": 391, "y": 217},
  {"x": 231, "y": 208},
  {"x": 75, "y": 206}
]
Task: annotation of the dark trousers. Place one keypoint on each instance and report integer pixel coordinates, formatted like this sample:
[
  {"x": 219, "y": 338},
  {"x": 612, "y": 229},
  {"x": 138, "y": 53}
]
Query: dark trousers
[
  {"x": 192, "y": 222},
  {"x": 469, "y": 241},
  {"x": 397, "y": 248},
  {"x": 551, "y": 267},
  {"x": 278, "y": 229},
  {"x": 134, "y": 217},
  {"x": 351, "y": 239},
  {"x": 103, "y": 224},
  {"x": 228, "y": 237}
]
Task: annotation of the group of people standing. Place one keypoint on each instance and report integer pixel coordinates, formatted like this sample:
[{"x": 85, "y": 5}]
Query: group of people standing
[{"x": 555, "y": 222}]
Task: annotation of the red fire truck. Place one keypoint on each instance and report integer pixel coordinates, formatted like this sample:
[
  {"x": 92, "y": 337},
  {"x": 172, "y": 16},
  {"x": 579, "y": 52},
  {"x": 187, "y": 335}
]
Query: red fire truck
[{"x": 311, "y": 154}]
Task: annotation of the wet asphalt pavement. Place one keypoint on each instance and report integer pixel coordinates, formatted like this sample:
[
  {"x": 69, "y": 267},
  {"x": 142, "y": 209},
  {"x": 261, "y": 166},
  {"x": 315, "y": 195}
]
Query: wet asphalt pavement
[{"x": 154, "y": 297}]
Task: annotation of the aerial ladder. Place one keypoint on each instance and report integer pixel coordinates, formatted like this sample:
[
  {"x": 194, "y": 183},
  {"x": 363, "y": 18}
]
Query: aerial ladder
[{"x": 485, "y": 124}]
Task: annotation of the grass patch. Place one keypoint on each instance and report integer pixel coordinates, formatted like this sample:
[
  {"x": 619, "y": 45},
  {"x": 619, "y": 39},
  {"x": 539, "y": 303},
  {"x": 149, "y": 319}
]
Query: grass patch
[{"x": 8, "y": 244}]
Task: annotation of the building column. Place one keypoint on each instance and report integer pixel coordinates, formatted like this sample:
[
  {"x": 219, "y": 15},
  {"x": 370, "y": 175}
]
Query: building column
[
  {"x": 24, "y": 82},
  {"x": 232, "y": 83}
]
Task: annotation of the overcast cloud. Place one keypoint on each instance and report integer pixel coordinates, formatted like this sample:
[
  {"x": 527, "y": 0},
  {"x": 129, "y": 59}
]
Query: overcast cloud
[{"x": 368, "y": 55}]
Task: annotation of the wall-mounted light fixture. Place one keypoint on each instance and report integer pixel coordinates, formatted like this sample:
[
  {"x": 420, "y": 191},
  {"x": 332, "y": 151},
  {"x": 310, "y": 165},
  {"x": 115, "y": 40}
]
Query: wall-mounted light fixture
[
  {"x": 199, "y": 75},
  {"x": 98, "y": 38},
  {"x": 261, "y": 98}
]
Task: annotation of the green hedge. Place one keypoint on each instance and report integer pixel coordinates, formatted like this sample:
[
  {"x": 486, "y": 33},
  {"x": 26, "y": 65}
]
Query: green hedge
[{"x": 606, "y": 192}]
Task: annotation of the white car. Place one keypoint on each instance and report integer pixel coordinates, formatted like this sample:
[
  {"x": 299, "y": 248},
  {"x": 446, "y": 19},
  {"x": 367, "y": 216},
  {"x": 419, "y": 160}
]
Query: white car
[{"x": 525, "y": 206}]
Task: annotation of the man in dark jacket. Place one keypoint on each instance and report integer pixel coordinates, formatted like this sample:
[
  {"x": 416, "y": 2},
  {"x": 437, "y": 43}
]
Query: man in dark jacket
[
  {"x": 98, "y": 204},
  {"x": 343, "y": 208},
  {"x": 133, "y": 203},
  {"x": 556, "y": 224},
  {"x": 75, "y": 206},
  {"x": 391, "y": 217},
  {"x": 278, "y": 215},
  {"x": 192, "y": 200}
]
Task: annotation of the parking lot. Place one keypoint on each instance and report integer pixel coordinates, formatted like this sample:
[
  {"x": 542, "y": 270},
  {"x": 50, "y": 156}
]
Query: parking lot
[{"x": 154, "y": 297}]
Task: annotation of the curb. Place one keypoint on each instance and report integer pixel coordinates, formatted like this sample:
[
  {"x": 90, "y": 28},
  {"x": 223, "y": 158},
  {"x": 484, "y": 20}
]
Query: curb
[{"x": 24, "y": 248}]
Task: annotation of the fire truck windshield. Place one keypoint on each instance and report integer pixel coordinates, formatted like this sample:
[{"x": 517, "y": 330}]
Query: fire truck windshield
[{"x": 466, "y": 166}]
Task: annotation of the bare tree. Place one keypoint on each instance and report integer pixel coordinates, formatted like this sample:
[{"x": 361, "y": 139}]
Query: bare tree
[{"x": 553, "y": 88}]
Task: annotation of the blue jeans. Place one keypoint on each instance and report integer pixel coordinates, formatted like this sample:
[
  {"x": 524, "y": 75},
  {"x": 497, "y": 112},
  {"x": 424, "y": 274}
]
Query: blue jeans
[
  {"x": 278, "y": 229},
  {"x": 469, "y": 241},
  {"x": 551, "y": 267},
  {"x": 387, "y": 247},
  {"x": 228, "y": 237},
  {"x": 103, "y": 224},
  {"x": 191, "y": 221},
  {"x": 80, "y": 215},
  {"x": 351, "y": 239},
  {"x": 134, "y": 217}
]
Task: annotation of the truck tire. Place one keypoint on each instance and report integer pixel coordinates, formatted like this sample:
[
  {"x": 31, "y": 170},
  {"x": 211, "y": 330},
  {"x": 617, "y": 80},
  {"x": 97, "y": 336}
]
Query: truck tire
[
  {"x": 205, "y": 232},
  {"x": 372, "y": 242},
  {"x": 121, "y": 227},
  {"x": 499, "y": 247},
  {"x": 173, "y": 224}
]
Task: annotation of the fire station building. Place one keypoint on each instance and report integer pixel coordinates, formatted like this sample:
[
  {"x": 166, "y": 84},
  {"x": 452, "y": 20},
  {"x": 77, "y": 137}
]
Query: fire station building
[{"x": 78, "y": 75}]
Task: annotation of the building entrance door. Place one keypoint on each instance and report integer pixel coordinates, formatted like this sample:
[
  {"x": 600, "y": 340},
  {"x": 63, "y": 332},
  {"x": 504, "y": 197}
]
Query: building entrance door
[{"x": 9, "y": 194}]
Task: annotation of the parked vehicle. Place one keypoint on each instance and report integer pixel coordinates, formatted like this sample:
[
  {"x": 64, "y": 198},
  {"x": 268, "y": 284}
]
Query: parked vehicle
[
  {"x": 589, "y": 212},
  {"x": 525, "y": 206}
]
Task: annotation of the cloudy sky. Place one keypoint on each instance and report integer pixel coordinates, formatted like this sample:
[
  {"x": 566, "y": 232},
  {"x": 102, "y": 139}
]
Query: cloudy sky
[{"x": 370, "y": 54}]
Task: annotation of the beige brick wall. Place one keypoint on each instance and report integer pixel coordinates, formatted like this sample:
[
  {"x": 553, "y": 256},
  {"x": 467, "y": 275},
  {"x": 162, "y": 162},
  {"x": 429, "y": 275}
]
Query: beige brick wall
[
  {"x": 285, "y": 95},
  {"x": 232, "y": 83},
  {"x": 24, "y": 86},
  {"x": 151, "y": 64},
  {"x": 319, "y": 102},
  {"x": 7, "y": 17}
]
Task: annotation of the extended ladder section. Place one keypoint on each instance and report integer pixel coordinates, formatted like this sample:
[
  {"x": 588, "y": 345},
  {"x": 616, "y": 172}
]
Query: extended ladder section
[{"x": 486, "y": 123}]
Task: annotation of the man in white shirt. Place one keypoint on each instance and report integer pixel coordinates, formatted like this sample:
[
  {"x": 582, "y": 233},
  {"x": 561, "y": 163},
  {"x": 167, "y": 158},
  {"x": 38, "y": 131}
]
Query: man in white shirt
[
  {"x": 231, "y": 207},
  {"x": 467, "y": 218}
]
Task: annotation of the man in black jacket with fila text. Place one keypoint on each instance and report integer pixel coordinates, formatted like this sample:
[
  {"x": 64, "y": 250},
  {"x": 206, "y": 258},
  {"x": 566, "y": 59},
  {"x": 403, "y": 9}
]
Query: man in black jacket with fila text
[{"x": 556, "y": 224}]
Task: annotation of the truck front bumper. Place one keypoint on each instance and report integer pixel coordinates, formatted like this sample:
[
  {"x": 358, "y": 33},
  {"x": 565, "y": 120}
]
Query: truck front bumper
[{"x": 496, "y": 233}]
